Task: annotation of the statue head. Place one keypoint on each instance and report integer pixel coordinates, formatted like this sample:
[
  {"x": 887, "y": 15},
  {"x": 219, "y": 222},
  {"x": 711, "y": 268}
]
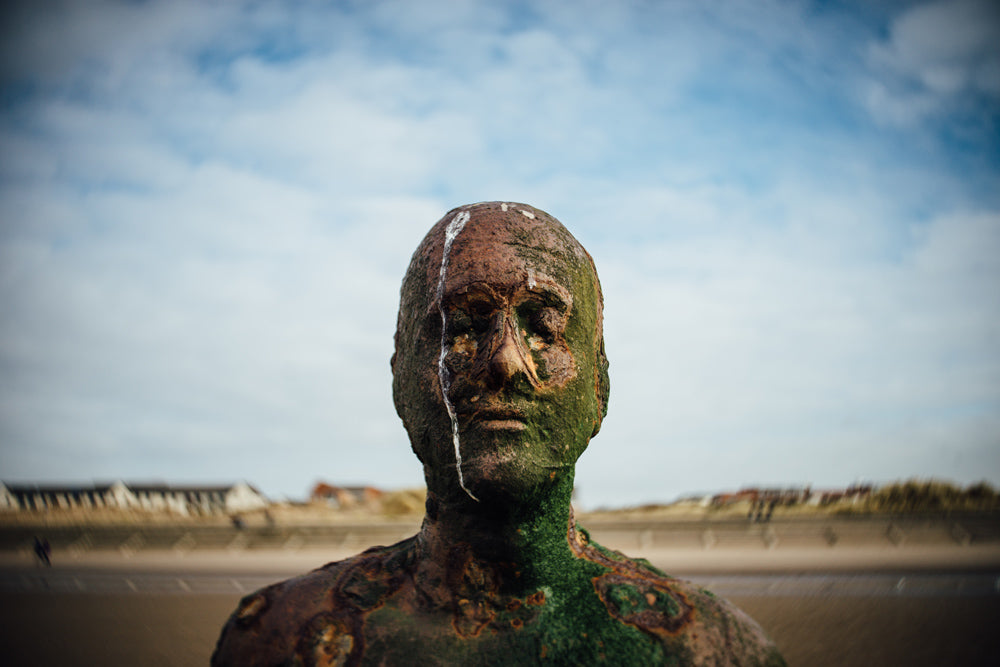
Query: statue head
[{"x": 499, "y": 373}]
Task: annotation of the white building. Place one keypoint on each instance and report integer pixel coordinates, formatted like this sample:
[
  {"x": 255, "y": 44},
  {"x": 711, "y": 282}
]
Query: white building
[{"x": 183, "y": 500}]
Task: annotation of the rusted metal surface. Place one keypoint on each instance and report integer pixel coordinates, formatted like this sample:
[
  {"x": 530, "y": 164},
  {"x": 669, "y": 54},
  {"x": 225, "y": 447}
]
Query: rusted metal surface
[
  {"x": 390, "y": 601},
  {"x": 501, "y": 381},
  {"x": 499, "y": 351}
]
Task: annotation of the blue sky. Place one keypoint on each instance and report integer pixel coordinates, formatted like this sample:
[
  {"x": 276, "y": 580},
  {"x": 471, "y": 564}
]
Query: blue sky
[{"x": 206, "y": 209}]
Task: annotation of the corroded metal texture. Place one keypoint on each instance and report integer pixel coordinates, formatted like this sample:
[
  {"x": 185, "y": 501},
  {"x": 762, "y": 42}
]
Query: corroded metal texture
[
  {"x": 391, "y": 605},
  {"x": 501, "y": 381},
  {"x": 499, "y": 351}
]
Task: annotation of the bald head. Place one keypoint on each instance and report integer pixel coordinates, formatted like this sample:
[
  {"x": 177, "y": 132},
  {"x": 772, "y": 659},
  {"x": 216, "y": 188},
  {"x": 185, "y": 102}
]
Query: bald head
[{"x": 499, "y": 343}]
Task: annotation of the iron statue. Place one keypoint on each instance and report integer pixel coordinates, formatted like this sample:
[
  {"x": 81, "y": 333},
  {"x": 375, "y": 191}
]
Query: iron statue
[{"x": 501, "y": 380}]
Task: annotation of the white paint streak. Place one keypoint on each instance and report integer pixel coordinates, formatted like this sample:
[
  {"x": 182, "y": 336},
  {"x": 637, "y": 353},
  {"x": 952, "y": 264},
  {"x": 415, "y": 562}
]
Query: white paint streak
[
  {"x": 527, "y": 214},
  {"x": 451, "y": 232}
]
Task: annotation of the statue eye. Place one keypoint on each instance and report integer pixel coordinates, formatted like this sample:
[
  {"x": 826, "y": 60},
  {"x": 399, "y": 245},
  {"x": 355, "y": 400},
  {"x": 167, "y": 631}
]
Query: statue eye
[
  {"x": 480, "y": 315},
  {"x": 470, "y": 318},
  {"x": 545, "y": 322},
  {"x": 459, "y": 322}
]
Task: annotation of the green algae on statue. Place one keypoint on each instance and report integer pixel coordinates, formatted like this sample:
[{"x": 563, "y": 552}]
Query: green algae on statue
[{"x": 500, "y": 378}]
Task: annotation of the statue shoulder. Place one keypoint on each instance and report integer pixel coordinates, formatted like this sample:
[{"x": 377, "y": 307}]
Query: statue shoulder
[
  {"x": 316, "y": 613},
  {"x": 264, "y": 628},
  {"x": 687, "y": 620},
  {"x": 721, "y": 633}
]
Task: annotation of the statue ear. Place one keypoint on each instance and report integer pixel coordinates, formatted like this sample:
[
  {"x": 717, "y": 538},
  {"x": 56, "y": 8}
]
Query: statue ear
[
  {"x": 395, "y": 380},
  {"x": 603, "y": 386}
]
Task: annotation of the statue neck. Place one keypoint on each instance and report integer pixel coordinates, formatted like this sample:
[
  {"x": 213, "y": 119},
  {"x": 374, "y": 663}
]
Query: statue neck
[{"x": 521, "y": 546}]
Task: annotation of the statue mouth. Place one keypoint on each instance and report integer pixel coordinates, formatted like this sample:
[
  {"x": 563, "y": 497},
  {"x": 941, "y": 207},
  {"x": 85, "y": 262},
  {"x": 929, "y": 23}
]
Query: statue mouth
[{"x": 498, "y": 418}]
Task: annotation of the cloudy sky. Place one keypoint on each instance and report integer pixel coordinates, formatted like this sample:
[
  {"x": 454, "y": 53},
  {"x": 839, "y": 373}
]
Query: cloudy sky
[{"x": 206, "y": 209}]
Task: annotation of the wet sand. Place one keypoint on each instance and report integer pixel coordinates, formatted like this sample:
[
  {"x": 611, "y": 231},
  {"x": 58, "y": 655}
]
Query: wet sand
[
  {"x": 114, "y": 630},
  {"x": 676, "y": 561},
  {"x": 860, "y": 631},
  {"x": 175, "y": 629}
]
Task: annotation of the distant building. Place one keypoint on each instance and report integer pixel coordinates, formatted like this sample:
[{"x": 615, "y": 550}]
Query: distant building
[
  {"x": 779, "y": 496},
  {"x": 344, "y": 497},
  {"x": 794, "y": 495},
  {"x": 183, "y": 500},
  {"x": 853, "y": 494},
  {"x": 8, "y": 501}
]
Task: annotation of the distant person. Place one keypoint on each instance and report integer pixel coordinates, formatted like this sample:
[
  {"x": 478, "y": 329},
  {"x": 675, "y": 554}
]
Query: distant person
[
  {"x": 770, "y": 510},
  {"x": 500, "y": 378},
  {"x": 43, "y": 551}
]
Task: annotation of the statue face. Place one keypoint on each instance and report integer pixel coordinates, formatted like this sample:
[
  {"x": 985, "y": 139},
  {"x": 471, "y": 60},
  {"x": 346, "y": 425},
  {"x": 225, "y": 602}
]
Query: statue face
[{"x": 518, "y": 358}]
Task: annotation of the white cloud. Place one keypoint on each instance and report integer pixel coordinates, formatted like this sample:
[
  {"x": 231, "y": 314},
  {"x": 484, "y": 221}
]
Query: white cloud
[
  {"x": 935, "y": 53},
  {"x": 755, "y": 357},
  {"x": 208, "y": 208}
]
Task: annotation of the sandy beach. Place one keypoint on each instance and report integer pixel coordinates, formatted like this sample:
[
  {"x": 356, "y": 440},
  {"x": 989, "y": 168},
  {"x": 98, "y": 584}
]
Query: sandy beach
[{"x": 920, "y": 605}]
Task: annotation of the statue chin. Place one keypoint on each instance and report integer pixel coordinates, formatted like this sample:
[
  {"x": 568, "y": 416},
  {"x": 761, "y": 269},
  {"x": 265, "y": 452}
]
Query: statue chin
[
  {"x": 507, "y": 482},
  {"x": 504, "y": 469}
]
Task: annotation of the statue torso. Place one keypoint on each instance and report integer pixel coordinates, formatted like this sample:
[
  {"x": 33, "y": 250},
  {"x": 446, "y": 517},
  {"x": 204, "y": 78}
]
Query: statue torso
[{"x": 387, "y": 606}]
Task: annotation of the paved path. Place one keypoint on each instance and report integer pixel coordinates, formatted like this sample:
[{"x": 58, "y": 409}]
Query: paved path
[
  {"x": 680, "y": 560},
  {"x": 815, "y": 585},
  {"x": 824, "y": 608}
]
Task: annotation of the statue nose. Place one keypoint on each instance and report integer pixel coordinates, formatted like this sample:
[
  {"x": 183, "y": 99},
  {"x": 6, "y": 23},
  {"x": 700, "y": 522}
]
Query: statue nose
[{"x": 507, "y": 362}]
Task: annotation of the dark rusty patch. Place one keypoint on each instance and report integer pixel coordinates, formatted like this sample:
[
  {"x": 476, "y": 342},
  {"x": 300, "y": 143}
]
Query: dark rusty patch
[
  {"x": 581, "y": 547},
  {"x": 326, "y": 641},
  {"x": 364, "y": 587},
  {"x": 488, "y": 609},
  {"x": 373, "y": 577},
  {"x": 646, "y": 604},
  {"x": 633, "y": 592},
  {"x": 250, "y": 609},
  {"x": 471, "y": 617},
  {"x": 473, "y": 576},
  {"x": 478, "y": 602},
  {"x": 537, "y": 598}
]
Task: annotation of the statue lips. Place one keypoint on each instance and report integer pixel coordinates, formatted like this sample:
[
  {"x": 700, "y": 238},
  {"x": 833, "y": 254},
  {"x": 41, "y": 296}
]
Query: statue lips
[{"x": 499, "y": 418}]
